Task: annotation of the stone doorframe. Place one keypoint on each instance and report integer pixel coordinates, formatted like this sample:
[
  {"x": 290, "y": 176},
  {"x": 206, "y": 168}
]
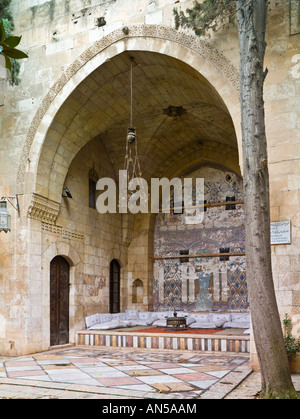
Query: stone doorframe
[
  {"x": 69, "y": 253},
  {"x": 194, "y": 51}
]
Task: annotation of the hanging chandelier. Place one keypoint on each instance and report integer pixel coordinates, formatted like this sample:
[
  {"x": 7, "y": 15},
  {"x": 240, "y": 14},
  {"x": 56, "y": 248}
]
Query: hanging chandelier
[{"x": 131, "y": 163}]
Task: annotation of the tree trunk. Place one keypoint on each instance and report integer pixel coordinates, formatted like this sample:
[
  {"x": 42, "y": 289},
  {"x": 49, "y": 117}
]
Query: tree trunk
[{"x": 276, "y": 378}]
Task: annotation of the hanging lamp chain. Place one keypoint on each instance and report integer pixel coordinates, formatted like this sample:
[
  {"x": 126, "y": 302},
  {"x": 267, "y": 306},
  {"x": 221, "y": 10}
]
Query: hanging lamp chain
[
  {"x": 131, "y": 163},
  {"x": 131, "y": 94}
]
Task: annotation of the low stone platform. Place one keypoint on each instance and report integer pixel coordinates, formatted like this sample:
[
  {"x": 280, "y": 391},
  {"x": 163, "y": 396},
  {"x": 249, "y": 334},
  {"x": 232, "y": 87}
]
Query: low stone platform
[{"x": 228, "y": 341}]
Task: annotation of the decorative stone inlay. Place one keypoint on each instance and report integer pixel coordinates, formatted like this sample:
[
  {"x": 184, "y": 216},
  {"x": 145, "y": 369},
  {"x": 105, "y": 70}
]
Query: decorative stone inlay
[
  {"x": 43, "y": 209},
  {"x": 65, "y": 233},
  {"x": 201, "y": 47}
]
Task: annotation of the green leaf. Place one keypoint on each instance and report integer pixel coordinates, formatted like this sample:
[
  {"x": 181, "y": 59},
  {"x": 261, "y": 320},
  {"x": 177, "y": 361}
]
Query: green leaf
[
  {"x": 12, "y": 41},
  {"x": 14, "y": 53},
  {"x": 7, "y": 63},
  {"x": 2, "y": 32}
]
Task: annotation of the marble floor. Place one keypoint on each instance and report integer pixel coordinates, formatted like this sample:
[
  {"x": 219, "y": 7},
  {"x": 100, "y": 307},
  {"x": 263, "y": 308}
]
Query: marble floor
[{"x": 185, "y": 373}]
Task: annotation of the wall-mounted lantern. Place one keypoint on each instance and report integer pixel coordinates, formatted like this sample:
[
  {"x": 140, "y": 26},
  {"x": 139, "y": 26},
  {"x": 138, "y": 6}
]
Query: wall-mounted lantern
[{"x": 5, "y": 217}]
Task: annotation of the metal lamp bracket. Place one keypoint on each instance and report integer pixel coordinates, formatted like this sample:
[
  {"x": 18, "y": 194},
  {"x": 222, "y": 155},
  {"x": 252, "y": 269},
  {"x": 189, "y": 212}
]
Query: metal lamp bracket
[{"x": 10, "y": 199}]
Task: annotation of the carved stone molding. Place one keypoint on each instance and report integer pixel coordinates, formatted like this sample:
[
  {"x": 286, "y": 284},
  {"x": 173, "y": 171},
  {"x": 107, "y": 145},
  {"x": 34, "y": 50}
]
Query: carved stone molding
[
  {"x": 62, "y": 232},
  {"x": 201, "y": 47},
  {"x": 43, "y": 209}
]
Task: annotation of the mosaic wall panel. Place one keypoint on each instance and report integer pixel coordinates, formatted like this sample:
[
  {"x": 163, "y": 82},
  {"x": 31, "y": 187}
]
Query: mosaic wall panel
[
  {"x": 203, "y": 284},
  {"x": 172, "y": 284}
]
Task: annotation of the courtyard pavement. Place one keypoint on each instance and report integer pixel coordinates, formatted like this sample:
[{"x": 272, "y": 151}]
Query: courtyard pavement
[{"x": 85, "y": 373}]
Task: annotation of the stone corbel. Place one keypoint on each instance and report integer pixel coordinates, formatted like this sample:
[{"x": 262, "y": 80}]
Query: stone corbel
[{"x": 43, "y": 209}]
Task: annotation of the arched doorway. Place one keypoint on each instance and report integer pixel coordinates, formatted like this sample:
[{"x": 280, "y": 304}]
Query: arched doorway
[
  {"x": 114, "y": 287},
  {"x": 59, "y": 301}
]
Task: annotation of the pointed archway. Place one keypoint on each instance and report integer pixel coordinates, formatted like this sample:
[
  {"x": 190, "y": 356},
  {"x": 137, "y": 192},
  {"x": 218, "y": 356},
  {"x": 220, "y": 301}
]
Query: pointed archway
[{"x": 200, "y": 55}]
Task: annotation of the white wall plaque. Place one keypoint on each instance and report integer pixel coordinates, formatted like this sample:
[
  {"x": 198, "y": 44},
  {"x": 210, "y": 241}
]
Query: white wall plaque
[{"x": 281, "y": 232}]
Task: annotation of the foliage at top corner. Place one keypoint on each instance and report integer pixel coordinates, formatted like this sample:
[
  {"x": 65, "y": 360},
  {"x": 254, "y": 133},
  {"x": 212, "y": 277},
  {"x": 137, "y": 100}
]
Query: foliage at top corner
[
  {"x": 205, "y": 16},
  {"x": 4, "y": 10},
  {"x": 8, "y": 43},
  {"x": 6, "y": 16},
  {"x": 8, "y": 46}
]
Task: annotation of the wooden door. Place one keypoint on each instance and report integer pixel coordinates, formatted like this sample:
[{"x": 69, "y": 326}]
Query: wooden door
[
  {"x": 59, "y": 301},
  {"x": 115, "y": 270}
]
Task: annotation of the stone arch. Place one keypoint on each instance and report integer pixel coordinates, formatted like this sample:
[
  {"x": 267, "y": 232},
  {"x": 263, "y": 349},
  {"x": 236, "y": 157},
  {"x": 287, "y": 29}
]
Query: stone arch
[
  {"x": 221, "y": 156},
  {"x": 197, "y": 53},
  {"x": 61, "y": 249}
]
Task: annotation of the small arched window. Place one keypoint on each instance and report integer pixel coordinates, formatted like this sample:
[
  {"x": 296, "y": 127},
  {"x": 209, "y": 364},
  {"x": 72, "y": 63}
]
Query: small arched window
[{"x": 93, "y": 179}]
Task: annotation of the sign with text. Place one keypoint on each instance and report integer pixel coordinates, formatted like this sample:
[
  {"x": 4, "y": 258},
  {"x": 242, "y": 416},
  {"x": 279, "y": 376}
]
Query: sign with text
[{"x": 281, "y": 232}]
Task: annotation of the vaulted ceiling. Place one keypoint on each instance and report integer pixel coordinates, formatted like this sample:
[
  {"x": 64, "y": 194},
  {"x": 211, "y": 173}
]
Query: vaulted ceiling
[{"x": 176, "y": 113}]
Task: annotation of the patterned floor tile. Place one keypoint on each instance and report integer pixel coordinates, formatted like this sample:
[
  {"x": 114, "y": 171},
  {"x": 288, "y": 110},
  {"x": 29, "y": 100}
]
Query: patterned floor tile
[
  {"x": 205, "y": 368},
  {"x": 144, "y": 373},
  {"x": 47, "y": 357},
  {"x": 68, "y": 372},
  {"x": 96, "y": 368},
  {"x": 111, "y": 374},
  {"x": 137, "y": 387},
  {"x": 173, "y": 371},
  {"x": 173, "y": 387},
  {"x": 218, "y": 374},
  {"x": 132, "y": 367},
  {"x": 21, "y": 374},
  {"x": 164, "y": 372},
  {"x": 53, "y": 362},
  {"x": 159, "y": 379},
  {"x": 194, "y": 376},
  {"x": 190, "y": 365},
  {"x": 20, "y": 364},
  {"x": 86, "y": 361},
  {"x": 120, "y": 362},
  {"x": 37, "y": 378},
  {"x": 82, "y": 381},
  {"x": 203, "y": 384},
  {"x": 58, "y": 367},
  {"x": 161, "y": 365},
  {"x": 119, "y": 381},
  {"x": 25, "y": 368}
]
